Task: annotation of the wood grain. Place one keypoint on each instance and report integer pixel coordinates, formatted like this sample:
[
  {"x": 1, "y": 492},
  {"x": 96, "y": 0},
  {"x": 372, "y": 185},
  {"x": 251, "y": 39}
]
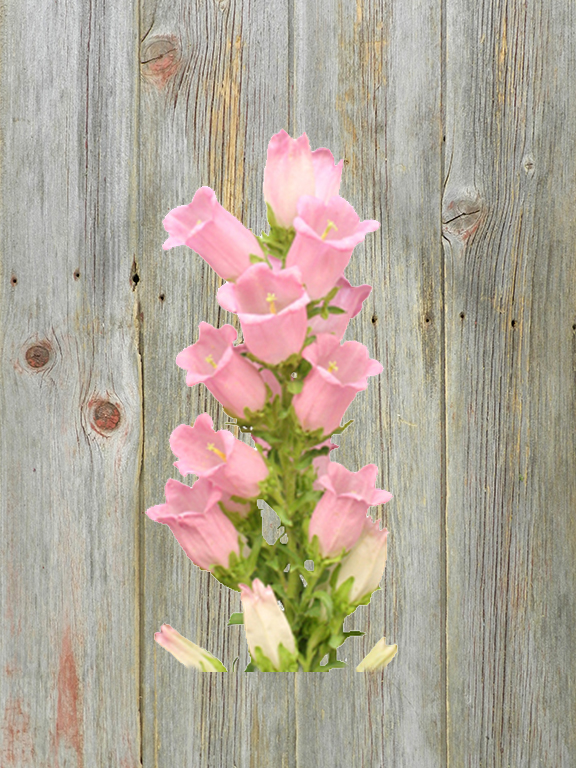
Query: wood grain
[
  {"x": 70, "y": 393},
  {"x": 457, "y": 125},
  {"x": 207, "y": 123},
  {"x": 510, "y": 357}
]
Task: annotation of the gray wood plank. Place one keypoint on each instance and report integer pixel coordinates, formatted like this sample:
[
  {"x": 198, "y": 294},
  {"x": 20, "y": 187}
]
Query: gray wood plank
[
  {"x": 69, "y": 386},
  {"x": 214, "y": 90},
  {"x": 510, "y": 350},
  {"x": 367, "y": 86}
]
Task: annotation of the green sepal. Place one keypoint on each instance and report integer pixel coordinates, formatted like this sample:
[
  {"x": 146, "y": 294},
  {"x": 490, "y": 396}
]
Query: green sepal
[
  {"x": 309, "y": 340},
  {"x": 295, "y": 386},
  {"x": 216, "y": 663},
  {"x": 336, "y": 310},
  {"x": 288, "y": 662},
  {"x": 251, "y": 668},
  {"x": 341, "y": 429},
  {"x": 236, "y": 618}
]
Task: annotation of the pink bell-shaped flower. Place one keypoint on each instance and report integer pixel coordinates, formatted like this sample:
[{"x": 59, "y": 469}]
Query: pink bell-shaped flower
[
  {"x": 229, "y": 463},
  {"x": 271, "y": 306},
  {"x": 292, "y": 170},
  {"x": 339, "y": 371},
  {"x": 187, "y": 652},
  {"x": 339, "y": 516},
  {"x": 326, "y": 234},
  {"x": 233, "y": 380},
  {"x": 200, "y": 527},
  {"x": 210, "y": 230},
  {"x": 349, "y": 298}
]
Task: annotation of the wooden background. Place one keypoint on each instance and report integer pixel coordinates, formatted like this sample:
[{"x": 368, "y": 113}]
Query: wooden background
[{"x": 457, "y": 123}]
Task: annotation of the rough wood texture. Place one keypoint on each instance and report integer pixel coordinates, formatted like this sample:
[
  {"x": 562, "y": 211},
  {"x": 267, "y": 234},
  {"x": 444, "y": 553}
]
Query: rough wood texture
[
  {"x": 510, "y": 394},
  {"x": 454, "y": 120},
  {"x": 70, "y": 391}
]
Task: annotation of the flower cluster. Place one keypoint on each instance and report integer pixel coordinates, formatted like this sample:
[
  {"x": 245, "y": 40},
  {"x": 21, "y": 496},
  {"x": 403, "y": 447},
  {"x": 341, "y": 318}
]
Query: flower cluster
[{"x": 287, "y": 385}]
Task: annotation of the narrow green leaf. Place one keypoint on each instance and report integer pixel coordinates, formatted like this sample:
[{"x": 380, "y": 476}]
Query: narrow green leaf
[{"x": 336, "y": 310}]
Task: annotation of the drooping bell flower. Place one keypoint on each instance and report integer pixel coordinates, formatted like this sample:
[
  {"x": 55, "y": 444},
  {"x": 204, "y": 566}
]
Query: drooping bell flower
[
  {"x": 271, "y": 307},
  {"x": 292, "y": 170},
  {"x": 214, "y": 233},
  {"x": 187, "y": 652},
  {"x": 228, "y": 462},
  {"x": 265, "y": 623},
  {"x": 326, "y": 234},
  {"x": 233, "y": 380},
  {"x": 378, "y": 658},
  {"x": 350, "y": 298},
  {"x": 339, "y": 372},
  {"x": 200, "y": 527},
  {"x": 338, "y": 517},
  {"x": 366, "y": 561}
]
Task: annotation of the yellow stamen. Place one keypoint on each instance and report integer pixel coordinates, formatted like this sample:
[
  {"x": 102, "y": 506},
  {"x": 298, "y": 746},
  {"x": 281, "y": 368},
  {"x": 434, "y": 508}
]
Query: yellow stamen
[
  {"x": 271, "y": 298},
  {"x": 198, "y": 222},
  {"x": 212, "y": 447},
  {"x": 332, "y": 366},
  {"x": 210, "y": 360},
  {"x": 330, "y": 226}
]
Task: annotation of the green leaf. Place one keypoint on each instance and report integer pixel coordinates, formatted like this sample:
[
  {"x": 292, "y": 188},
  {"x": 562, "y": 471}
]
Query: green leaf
[
  {"x": 251, "y": 668},
  {"x": 341, "y": 429},
  {"x": 256, "y": 259},
  {"x": 336, "y": 311},
  {"x": 327, "y": 600},
  {"x": 333, "y": 665},
  {"x": 295, "y": 386},
  {"x": 354, "y": 633},
  {"x": 308, "y": 341},
  {"x": 236, "y": 618},
  {"x": 336, "y": 640}
]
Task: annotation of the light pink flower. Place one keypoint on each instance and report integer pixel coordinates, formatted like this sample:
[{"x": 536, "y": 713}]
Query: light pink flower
[
  {"x": 339, "y": 371},
  {"x": 338, "y": 518},
  {"x": 265, "y": 623},
  {"x": 326, "y": 234},
  {"x": 366, "y": 561},
  {"x": 229, "y": 463},
  {"x": 349, "y": 298},
  {"x": 272, "y": 310},
  {"x": 200, "y": 527},
  {"x": 210, "y": 230},
  {"x": 292, "y": 170},
  {"x": 233, "y": 380}
]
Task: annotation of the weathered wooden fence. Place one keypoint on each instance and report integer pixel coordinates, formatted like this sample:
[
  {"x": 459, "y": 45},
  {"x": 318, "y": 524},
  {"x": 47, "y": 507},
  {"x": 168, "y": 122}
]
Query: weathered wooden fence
[{"x": 457, "y": 122}]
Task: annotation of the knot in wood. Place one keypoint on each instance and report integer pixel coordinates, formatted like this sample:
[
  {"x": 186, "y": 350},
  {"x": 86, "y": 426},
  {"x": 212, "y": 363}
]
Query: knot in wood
[
  {"x": 159, "y": 59},
  {"x": 37, "y": 356},
  {"x": 106, "y": 416},
  {"x": 461, "y": 216}
]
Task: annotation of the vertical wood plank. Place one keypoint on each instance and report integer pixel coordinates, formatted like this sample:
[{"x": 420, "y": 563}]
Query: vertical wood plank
[
  {"x": 69, "y": 389},
  {"x": 214, "y": 89},
  {"x": 511, "y": 400},
  {"x": 367, "y": 85}
]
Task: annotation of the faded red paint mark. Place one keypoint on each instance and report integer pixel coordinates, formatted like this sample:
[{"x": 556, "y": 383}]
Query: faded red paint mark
[
  {"x": 18, "y": 747},
  {"x": 68, "y": 720},
  {"x": 159, "y": 59}
]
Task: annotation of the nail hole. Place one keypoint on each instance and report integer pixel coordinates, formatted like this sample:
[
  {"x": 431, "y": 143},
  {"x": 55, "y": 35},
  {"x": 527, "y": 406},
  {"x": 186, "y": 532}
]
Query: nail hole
[
  {"x": 513, "y": 323},
  {"x": 14, "y": 280},
  {"x": 374, "y": 319},
  {"x": 574, "y": 327},
  {"x": 427, "y": 319},
  {"x": 161, "y": 297},
  {"x": 462, "y": 315},
  {"x": 135, "y": 279},
  {"x": 76, "y": 274}
]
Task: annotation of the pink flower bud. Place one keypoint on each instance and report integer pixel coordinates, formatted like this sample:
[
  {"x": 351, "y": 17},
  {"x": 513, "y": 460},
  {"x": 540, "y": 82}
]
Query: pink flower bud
[
  {"x": 350, "y": 299},
  {"x": 339, "y": 516},
  {"x": 271, "y": 306},
  {"x": 265, "y": 623},
  {"x": 292, "y": 170},
  {"x": 339, "y": 371},
  {"x": 210, "y": 230},
  {"x": 229, "y": 463},
  {"x": 366, "y": 561},
  {"x": 233, "y": 380},
  {"x": 187, "y": 652},
  {"x": 200, "y": 527},
  {"x": 326, "y": 234}
]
